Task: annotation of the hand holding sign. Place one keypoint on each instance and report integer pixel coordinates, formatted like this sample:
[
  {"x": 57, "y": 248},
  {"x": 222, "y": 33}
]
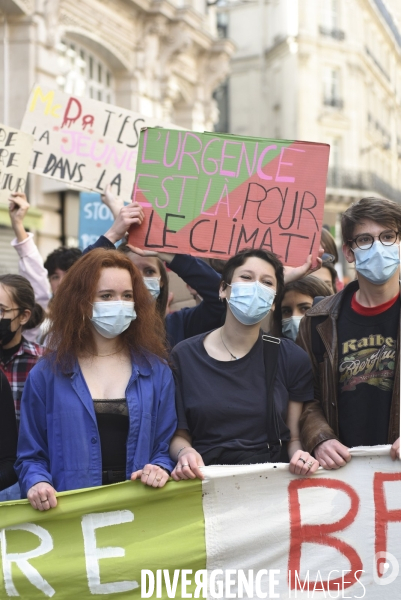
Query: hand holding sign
[
  {"x": 114, "y": 203},
  {"x": 295, "y": 273},
  {"x": 129, "y": 215},
  {"x": 42, "y": 496},
  {"x": 18, "y": 208},
  {"x": 166, "y": 256},
  {"x": 395, "y": 450}
]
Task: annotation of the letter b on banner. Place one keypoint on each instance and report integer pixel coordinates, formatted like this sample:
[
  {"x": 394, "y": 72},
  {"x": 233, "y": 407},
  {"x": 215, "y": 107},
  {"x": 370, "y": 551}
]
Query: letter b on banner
[{"x": 321, "y": 534}]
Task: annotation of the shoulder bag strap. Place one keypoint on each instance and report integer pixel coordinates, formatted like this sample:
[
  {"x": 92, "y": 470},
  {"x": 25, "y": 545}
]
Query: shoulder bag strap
[{"x": 271, "y": 349}]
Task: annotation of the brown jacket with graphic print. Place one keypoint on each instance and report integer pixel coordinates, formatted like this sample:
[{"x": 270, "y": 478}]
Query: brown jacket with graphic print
[{"x": 319, "y": 420}]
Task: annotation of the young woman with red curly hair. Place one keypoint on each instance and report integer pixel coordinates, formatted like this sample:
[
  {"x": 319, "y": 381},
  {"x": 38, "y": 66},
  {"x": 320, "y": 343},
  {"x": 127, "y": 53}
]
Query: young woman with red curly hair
[{"x": 99, "y": 408}]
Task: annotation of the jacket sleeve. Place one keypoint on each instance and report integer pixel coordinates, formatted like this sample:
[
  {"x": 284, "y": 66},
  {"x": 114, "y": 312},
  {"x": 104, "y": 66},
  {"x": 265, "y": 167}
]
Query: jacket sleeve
[
  {"x": 8, "y": 435},
  {"x": 210, "y": 312},
  {"x": 314, "y": 427},
  {"x": 166, "y": 423},
  {"x": 102, "y": 242},
  {"x": 31, "y": 267},
  {"x": 33, "y": 461}
]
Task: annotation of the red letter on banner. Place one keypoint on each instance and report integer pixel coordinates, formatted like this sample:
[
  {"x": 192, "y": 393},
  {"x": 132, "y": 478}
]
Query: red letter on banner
[
  {"x": 320, "y": 534},
  {"x": 382, "y": 515}
]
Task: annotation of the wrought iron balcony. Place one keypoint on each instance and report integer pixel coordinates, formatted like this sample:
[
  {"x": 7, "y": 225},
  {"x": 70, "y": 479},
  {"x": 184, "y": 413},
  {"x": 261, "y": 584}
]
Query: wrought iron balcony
[
  {"x": 333, "y": 101},
  {"x": 337, "y": 34},
  {"x": 363, "y": 181}
]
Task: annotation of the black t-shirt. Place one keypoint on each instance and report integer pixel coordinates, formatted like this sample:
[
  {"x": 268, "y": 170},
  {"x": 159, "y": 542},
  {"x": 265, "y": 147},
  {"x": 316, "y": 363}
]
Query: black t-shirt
[
  {"x": 224, "y": 404},
  {"x": 8, "y": 435},
  {"x": 366, "y": 364}
]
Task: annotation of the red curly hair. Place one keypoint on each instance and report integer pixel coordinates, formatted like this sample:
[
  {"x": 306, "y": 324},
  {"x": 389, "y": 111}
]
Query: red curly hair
[{"x": 71, "y": 332}]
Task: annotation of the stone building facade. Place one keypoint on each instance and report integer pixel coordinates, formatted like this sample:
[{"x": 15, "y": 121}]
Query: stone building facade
[
  {"x": 162, "y": 58},
  {"x": 327, "y": 71}
]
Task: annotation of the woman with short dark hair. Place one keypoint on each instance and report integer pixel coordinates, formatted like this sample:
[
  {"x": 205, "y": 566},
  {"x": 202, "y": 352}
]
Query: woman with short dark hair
[{"x": 239, "y": 397}]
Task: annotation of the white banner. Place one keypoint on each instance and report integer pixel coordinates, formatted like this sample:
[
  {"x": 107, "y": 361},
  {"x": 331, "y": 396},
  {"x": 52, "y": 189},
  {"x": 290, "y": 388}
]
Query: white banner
[
  {"x": 336, "y": 534},
  {"x": 83, "y": 142}
]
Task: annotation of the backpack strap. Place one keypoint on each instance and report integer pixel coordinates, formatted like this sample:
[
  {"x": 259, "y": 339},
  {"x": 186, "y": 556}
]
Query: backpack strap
[{"x": 271, "y": 349}]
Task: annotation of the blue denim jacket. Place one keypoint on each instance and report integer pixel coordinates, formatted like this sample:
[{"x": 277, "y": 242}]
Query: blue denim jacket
[{"x": 59, "y": 439}]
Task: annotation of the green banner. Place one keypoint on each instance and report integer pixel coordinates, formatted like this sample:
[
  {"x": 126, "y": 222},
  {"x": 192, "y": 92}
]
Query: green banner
[{"x": 98, "y": 541}]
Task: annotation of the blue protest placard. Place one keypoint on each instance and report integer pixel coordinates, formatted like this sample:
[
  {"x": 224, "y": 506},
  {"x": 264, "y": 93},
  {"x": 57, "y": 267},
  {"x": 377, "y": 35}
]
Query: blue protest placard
[{"x": 95, "y": 218}]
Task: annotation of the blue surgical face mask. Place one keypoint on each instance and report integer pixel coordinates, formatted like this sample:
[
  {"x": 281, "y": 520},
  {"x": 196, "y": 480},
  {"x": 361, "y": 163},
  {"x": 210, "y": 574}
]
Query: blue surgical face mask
[
  {"x": 153, "y": 285},
  {"x": 112, "y": 317},
  {"x": 250, "y": 302},
  {"x": 378, "y": 263},
  {"x": 290, "y": 327}
]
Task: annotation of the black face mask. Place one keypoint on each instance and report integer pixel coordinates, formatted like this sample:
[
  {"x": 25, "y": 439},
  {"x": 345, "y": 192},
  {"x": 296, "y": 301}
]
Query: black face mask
[{"x": 6, "y": 335}]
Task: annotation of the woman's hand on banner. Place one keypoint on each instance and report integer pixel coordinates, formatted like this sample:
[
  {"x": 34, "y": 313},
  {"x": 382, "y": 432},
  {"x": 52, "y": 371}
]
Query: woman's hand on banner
[
  {"x": 166, "y": 256},
  {"x": 395, "y": 450},
  {"x": 114, "y": 203},
  {"x": 42, "y": 496},
  {"x": 151, "y": 475},
  {"x": 302, "y": 463},
  {"x": 332, "y": 454},
  {"x": 294, "y": 273},
  {"x": 132, "y": 214},
  {"x": 188, "y": 464}
]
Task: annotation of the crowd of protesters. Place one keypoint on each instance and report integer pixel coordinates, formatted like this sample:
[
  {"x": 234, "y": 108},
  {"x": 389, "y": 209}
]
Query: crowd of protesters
[{"x": 101, "y": 382}]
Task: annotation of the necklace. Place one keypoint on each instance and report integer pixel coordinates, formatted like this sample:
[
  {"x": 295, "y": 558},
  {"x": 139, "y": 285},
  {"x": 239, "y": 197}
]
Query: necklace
[
  {"x": 230, "y": 353},
  {"x": 103, "y": 355}
]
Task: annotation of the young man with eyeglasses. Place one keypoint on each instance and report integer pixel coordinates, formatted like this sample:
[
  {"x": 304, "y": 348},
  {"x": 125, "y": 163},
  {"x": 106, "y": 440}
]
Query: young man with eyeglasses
[{"x": 353, "y": 341}]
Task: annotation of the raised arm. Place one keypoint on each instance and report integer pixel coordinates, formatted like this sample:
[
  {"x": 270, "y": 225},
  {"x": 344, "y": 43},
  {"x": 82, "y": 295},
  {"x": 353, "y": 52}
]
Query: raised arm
[{"x": 30, "y": 261}]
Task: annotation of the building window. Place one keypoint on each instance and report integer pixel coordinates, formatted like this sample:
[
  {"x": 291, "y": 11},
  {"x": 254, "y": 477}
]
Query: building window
[
  {"x": 331, "y": 88},
  {"x": 330, "y": 19},
  {"x": 83, "y": 74}
]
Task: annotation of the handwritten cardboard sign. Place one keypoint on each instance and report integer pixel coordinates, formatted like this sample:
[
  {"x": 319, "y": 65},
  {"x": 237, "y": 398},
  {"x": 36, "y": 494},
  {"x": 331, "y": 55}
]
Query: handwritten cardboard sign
[
  {"x": 83, "y": 142},
  {"x": 15, "y": 153},
  {"x": 212, "y": 194}
]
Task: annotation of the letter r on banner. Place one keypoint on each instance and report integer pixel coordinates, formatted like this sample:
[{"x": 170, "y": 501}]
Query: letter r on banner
[
  {"x": 321, "y": 534},
  {"x": 21, "y": 559}
]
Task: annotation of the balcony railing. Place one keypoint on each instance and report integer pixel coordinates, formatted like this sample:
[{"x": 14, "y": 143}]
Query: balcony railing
[
  {"x": 334, "y": 102},
  {"x": 337, "y": 34},
  {"x": 363, "y": 181}
]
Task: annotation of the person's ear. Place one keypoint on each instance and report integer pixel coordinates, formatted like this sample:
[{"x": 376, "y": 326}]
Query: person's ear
[
  {"x": 223, "y": 291},
  {"x": 24, "y": 316},
  {"x": 348, "y": 253}
]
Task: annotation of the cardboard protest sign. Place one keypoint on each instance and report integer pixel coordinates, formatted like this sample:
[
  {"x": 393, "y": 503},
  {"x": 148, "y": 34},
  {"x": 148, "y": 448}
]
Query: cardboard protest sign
[
  {"x": 83, "y": 142},
  {"x": 95, "y": 219},
  {"x": 15, "y": 154},
  {"x": 212, "y": 194},
  {"x": 253, "y": 531}
]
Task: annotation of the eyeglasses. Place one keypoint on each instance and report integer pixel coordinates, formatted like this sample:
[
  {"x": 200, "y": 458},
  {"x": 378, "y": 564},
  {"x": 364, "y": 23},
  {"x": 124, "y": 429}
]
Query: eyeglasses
[
  {"x": 4, "y": 311},
  {"x": 364, "y": 241}
]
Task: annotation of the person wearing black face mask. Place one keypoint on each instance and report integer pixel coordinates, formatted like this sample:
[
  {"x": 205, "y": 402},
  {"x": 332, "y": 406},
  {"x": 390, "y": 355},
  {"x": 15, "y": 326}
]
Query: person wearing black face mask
[{"x": 18, "y": 311}]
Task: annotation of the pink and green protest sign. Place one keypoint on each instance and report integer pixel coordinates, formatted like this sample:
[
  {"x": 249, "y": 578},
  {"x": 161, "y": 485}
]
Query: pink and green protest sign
[{"x": 211, "y": 194}]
